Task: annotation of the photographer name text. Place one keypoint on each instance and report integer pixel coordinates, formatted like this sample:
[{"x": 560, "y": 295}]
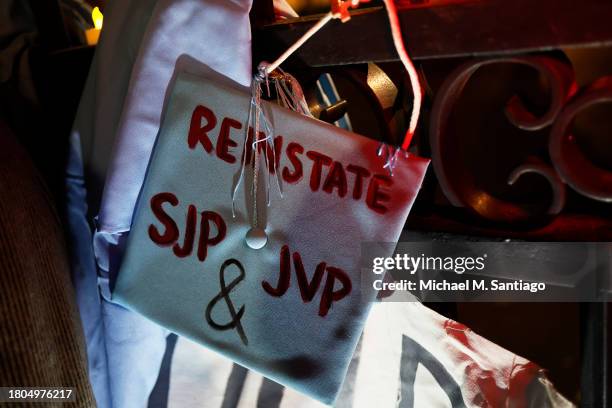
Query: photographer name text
[{"x": 435, "y": 285}]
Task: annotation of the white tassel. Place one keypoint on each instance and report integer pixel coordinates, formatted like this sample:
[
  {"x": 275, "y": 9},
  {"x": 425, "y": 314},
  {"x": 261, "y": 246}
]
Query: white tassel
[{"x": 290, "y": 95}]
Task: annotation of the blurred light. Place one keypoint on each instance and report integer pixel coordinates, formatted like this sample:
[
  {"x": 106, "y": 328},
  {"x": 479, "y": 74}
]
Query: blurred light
[{"x": 97, "y": 17}]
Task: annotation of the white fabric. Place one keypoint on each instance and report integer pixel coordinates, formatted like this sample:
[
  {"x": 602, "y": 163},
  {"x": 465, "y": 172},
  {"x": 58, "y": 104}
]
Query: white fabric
[
  {"x": 124, "y": 349},
  {"x": 91, "y": 144},
  {"x": 215, "y": 32},
  {"x": 486, "y": 373}
]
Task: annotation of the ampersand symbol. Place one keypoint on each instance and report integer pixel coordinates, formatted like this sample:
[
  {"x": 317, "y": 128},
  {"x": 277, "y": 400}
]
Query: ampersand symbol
[{"x": 224, "y": 294}]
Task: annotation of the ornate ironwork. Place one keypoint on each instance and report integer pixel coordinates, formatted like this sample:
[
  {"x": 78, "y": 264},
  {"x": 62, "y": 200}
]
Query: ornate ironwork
[
  {"x": 463, "y": 188},
  {"x": 575, "y": 168}
]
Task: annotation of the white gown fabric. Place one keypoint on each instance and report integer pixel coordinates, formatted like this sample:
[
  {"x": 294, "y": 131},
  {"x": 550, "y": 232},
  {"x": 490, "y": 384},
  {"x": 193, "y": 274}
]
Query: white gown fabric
[
  {"x": 113, "y": 134},
  {"x": 91, "y": 146}
]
